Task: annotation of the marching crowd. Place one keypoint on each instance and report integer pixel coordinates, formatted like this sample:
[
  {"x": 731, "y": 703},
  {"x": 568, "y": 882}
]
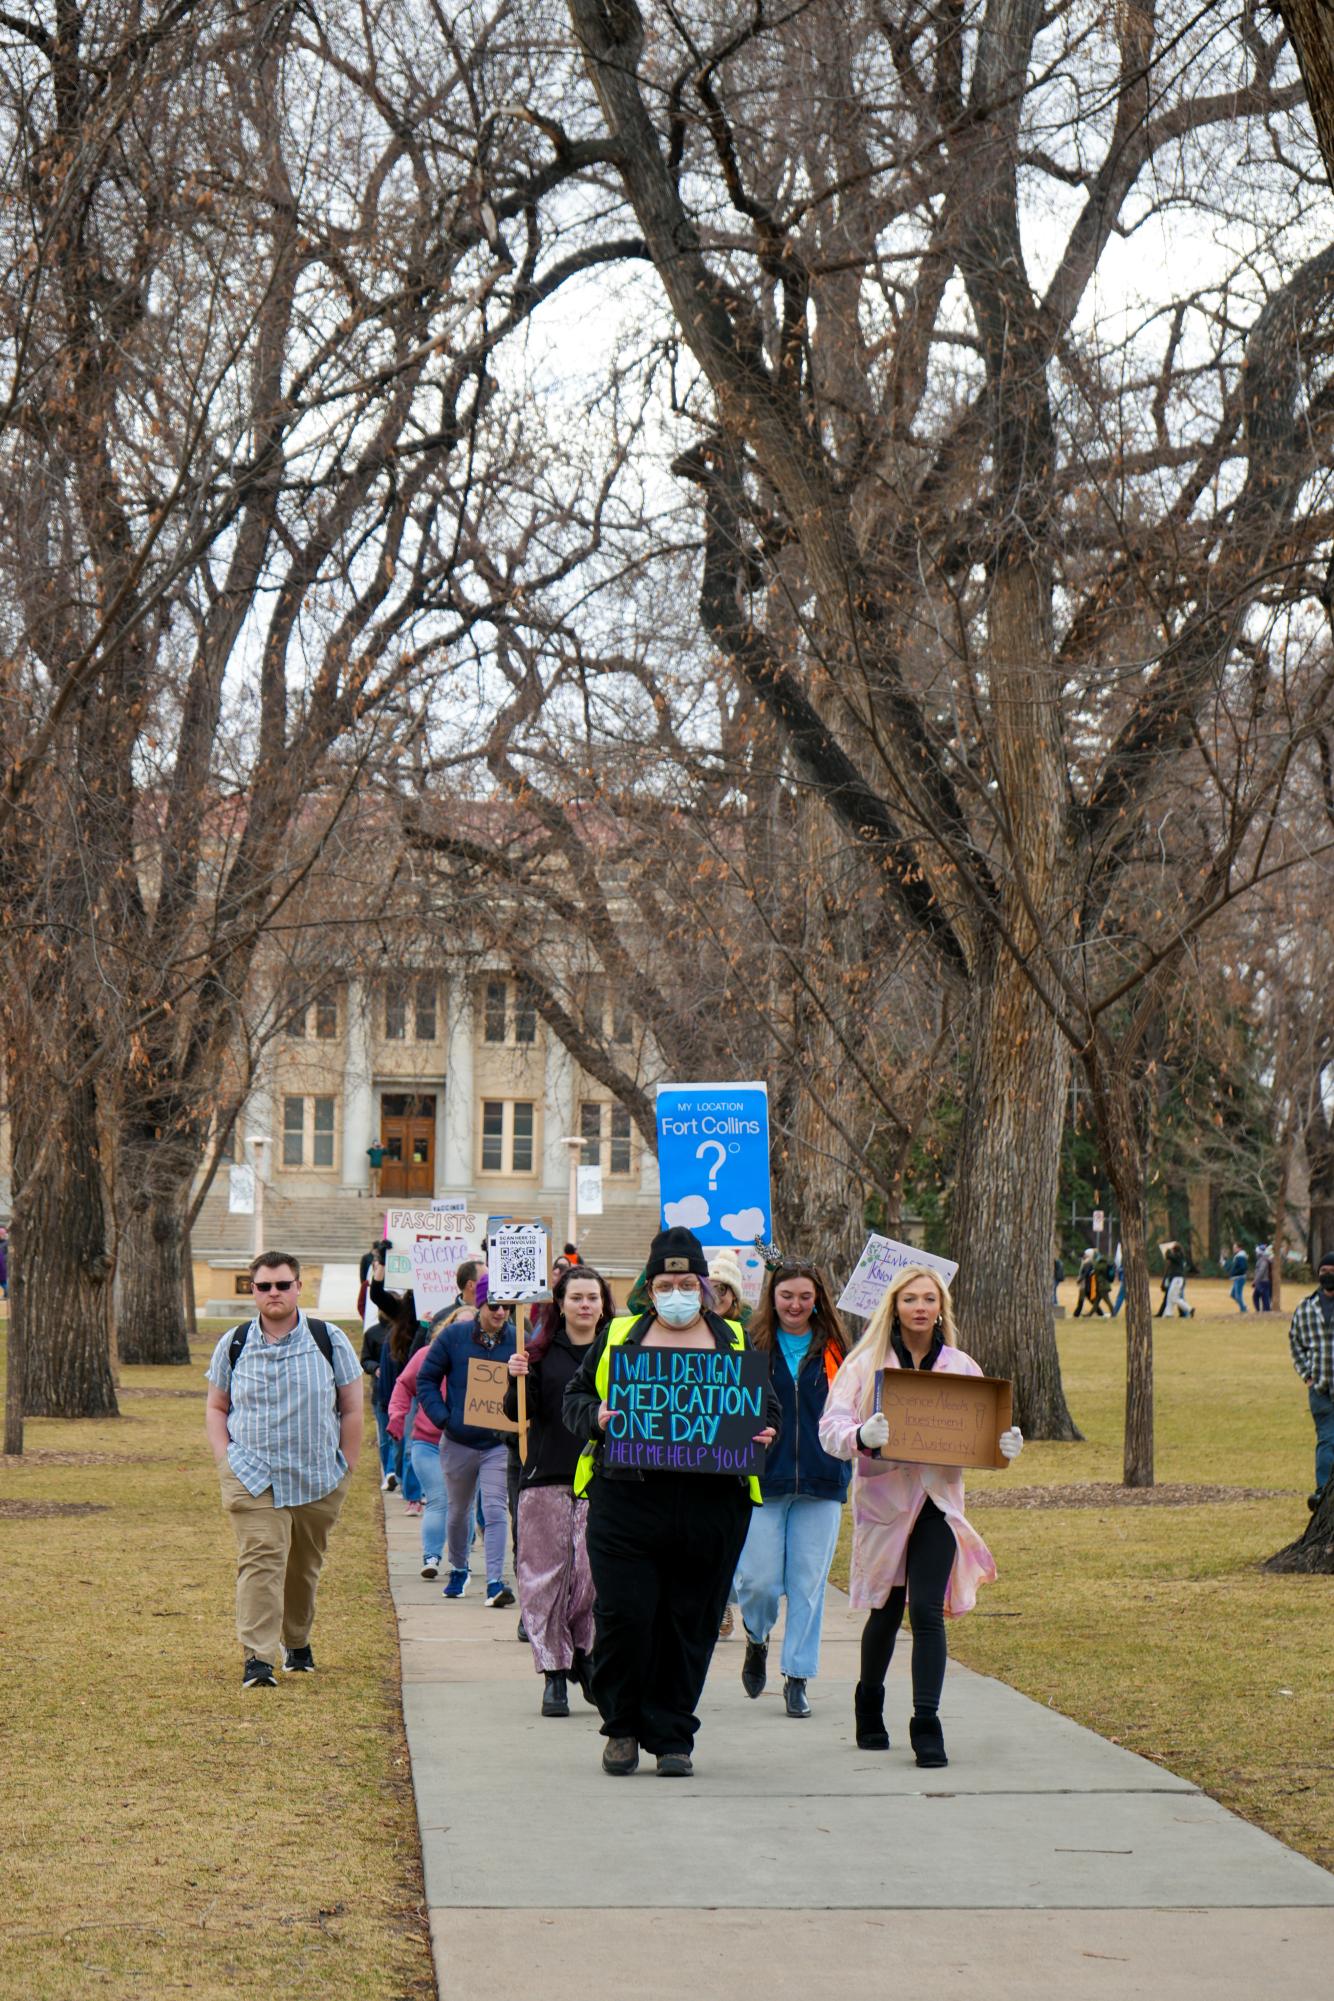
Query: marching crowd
[{"x": 626, "y": 1575}]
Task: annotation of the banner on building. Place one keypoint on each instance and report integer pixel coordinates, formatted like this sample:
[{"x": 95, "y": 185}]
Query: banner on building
[
  {"x": 241, "y": 1191},
  {"x": 588, "y": 1191}
]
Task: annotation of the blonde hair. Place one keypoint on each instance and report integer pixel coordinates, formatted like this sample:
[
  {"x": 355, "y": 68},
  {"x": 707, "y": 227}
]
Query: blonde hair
[{"x": 875, "y": 1342}]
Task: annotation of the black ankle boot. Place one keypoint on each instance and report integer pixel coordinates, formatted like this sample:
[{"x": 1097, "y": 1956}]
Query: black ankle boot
[
  {"x": 755, "y": 1667},
  {"x": 555, "y": 1696},
  {"x": 928, "y": 1740},
  {"x": 869, "y": 1708}
]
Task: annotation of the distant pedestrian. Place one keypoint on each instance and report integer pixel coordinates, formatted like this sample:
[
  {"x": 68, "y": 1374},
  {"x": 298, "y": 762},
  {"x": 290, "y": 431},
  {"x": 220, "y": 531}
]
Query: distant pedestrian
[
  {"x": 911, "y": 1543},
  {"x": 1237, "y": 1271},
  {"x": 1119, "y": 1270},
  {"x": 284, "y": 1418},
  {"x": 551, "y": 1558},
  {"x": 421, "y": 1441},
  {"x": 1311, "y": 1339},
  {"x": 375, "y": 1155},
  {"x": 1057, "y": 1280},
  {"x": 1262, "y": 1286},
  {"x": 1174, "y": 1282},
  {"x": 1088, "y": 1286}
]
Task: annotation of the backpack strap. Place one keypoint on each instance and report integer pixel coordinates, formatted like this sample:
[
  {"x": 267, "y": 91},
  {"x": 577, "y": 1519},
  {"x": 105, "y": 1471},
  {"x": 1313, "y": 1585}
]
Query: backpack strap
[{"x": 319, "y": 1334}]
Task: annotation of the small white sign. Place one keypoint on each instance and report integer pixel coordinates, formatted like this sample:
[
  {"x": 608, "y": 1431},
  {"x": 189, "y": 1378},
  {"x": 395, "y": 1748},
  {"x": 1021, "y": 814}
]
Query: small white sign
[
  {"x": 588, "y": 1184},
  {"x": 1099, "y": 1219},
  {"x": 241, "y": 1191},
  {"x": 516, "y": 1260},
  {"x": 875, "y": 1270},
  {"x": 450, "y": 1205}
]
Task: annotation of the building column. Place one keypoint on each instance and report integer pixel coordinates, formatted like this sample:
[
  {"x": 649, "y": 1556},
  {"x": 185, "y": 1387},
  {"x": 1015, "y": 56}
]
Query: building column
[
  {"x": 358, "y": 1096},
  {"x": 454, "y": 1148}
]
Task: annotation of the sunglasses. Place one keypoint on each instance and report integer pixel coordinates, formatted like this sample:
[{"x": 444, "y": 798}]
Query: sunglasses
[{"x": 272, "y": 1284}]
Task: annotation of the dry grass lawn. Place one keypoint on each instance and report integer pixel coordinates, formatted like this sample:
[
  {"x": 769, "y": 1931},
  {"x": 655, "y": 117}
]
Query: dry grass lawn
[
  {"x": 1153, "y": 1624},
  {"x": 161, "y": 1833}
]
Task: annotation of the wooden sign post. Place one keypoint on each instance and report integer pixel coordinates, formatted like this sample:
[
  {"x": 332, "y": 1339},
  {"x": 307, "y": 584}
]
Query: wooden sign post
[
  {"x": 940, "y": 1419},
  {"x": 519, "y": 1317}
]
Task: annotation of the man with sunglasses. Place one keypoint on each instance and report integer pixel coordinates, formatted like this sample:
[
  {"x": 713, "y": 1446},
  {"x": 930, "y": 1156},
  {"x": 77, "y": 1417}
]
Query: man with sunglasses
[{"x": 284, "y": 1419}]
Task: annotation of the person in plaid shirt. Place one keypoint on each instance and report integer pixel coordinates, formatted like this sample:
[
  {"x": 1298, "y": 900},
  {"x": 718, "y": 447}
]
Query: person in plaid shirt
[{"x": 1311, "y": 1338}]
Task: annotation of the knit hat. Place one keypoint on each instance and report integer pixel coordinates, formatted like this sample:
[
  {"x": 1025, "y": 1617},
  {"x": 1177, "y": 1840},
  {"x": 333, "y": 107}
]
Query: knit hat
[
  {"x": 725, "y": 1270},
  {"x": 676, "y": 1250},
  {"x": 1327, "y": 1258}
]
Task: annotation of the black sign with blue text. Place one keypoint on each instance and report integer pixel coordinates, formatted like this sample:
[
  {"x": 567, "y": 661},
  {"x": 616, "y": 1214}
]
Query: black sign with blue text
[{"x": 686, "y": 1410}]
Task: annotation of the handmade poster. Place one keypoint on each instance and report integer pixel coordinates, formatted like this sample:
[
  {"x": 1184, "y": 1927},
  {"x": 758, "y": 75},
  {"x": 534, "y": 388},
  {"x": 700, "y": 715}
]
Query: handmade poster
[
  {"x": 487, "y": 1383},
  {"x": 686, "y": 1410},
  {"x": 939, "y": 1419},
  {"x": 752, "y": 1268},
  {"x": 516, "y": 1259},
  {"x": 875, "y": 1270},
  {"x": 456, "y": 1237}
]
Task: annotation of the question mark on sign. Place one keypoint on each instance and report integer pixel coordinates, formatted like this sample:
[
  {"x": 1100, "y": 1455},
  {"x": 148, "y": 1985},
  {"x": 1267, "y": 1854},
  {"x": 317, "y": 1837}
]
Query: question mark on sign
[{"x": 716, "y": 1147}]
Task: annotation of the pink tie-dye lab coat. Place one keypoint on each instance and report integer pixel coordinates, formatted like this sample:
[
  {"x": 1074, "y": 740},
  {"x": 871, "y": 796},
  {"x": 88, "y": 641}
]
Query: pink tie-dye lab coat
[{"x": 887, "y": 1495}]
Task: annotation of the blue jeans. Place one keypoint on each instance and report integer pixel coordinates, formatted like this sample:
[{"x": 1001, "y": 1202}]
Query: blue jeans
[
  {"x": 424, "y": 1459},
  {"x": 788, "y": 1550},
  {"x": 390, "y": 1449},
  {"x": 1238, "y": 1290},
  {"x": 1322, "y": 1410}
]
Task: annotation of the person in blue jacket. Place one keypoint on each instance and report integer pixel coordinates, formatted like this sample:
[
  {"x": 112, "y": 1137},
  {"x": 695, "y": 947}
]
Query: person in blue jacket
[
  {"x": 790, "y": 1543},
  {"x": 470, "y": 1457}
]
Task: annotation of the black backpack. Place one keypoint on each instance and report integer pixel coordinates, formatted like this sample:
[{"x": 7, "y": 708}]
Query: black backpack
[{"x": 319, "y": 1334}]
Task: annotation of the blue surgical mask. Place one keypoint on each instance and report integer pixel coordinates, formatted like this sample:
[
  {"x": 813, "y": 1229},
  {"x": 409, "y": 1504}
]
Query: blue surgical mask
[{"x": 678, "y": 1309}]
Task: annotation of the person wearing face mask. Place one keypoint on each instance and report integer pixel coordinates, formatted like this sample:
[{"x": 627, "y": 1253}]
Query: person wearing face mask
[
  {"x": 662, "y": 1546},
  {"x": 790, "y": 1544},
  {"x": 1311, "y": 1339},
  {"x": 470, "y": 1457},
  {"x": 911, "y": 1543},
  {"x": 551, "y": 1559}
]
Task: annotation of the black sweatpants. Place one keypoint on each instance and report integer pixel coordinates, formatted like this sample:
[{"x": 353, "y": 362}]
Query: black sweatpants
[
  {"x": 931, "y": 1550},
  {"x": 663, "y": 1552}
]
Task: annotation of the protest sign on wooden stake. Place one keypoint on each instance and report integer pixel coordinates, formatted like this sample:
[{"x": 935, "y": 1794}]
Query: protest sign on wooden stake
[{"x": 487, "y": 1384}]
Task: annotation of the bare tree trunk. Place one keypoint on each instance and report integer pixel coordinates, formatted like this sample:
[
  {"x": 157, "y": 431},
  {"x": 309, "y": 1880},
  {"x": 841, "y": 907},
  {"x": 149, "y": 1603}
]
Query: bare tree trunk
[
  {"x": 150, "y": 1304},
  {"x": 13, "y": 1377},
  {"x": 1121, "y": 1140},
  {"x": 1005, "y": 1207},
  {"x": 188, "y": 1271},
  {"x": 1312, "y": 1555},
  {"x": 61, "y": 1263},
  {"x": 1310, "y": 25}
]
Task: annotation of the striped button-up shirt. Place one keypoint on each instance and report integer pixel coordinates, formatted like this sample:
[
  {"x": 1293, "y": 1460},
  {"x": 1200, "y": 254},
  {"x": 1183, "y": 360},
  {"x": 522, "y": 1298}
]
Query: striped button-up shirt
[
  {"x": 283, "y": 1423},
  {"x": 1311, "y": 1339}
]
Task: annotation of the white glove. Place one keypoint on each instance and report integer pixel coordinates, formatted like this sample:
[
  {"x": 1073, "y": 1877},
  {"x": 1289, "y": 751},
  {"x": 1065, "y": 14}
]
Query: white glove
[
  {"x": 875, "y": 1431},
  {"x": 1011, "y": 1442}
]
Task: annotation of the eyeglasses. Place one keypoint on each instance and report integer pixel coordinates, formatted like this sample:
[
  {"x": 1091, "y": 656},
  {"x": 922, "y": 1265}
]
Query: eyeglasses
[
  {"x": 272, "y": 1284},
  {"x": 663, "y": 1286}
]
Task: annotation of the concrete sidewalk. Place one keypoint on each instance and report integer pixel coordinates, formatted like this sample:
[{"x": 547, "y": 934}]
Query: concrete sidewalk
[{"x": 1041, "y": 1862}]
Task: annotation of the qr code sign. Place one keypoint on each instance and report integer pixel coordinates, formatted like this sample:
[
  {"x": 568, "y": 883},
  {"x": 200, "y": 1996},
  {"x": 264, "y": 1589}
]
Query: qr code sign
[{"x": 518, "y": 1264}]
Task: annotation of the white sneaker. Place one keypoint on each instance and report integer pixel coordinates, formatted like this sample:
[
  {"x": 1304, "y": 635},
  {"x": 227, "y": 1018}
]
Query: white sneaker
[
  {"x": 431, "y": 1566},
  {"x": 389, "y": 1483}
]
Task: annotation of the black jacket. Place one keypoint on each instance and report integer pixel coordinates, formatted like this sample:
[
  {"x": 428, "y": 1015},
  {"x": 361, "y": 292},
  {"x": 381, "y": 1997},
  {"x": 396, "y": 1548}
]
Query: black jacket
[
  {"x": 553, "y": 1452},
  {"x": 796, "y": 1462},
  {"x": 582, "y": 1402}
]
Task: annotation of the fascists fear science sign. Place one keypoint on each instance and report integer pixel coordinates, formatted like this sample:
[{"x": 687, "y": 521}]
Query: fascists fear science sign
[{"x": 686, "y": 1411}]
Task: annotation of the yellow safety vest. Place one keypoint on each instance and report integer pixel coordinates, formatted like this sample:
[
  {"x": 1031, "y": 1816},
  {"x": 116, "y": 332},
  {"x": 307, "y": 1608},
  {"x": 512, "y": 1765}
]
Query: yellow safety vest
[{"x": 616, "y": 1333}]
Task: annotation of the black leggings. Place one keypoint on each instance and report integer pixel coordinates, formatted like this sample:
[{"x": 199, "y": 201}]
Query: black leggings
[{"x": 930, "y": 1560}]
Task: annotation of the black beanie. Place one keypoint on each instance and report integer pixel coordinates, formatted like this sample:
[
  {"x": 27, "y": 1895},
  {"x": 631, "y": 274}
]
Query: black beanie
[{"x": 676, "y": 1250}]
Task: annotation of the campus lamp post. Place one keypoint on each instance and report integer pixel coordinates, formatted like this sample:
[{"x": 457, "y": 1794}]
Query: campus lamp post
[
  {"x": 259, "y": 1143},
  {"x": 575, "y": 1143}
]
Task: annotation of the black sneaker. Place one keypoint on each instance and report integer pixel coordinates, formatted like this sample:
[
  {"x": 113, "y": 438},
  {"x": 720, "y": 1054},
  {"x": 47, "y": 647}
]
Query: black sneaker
[
  {"x": 257, "y": 1674},
  {"x": 755, "y": 1667},
  {"x": 620, "y": 1757},
  {"x": 298, "y": 1660}
]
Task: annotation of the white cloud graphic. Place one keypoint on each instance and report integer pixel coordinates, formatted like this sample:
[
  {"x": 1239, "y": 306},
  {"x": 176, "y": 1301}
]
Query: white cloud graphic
[
  {"x": 689, "y": 1213},
  {"x": 746, "y": 1224}
]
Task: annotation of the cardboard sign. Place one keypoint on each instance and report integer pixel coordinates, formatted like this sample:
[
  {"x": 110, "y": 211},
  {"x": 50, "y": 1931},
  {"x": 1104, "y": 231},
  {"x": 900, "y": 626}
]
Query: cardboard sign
[
  {"x": 487, "y": 1384},
  {"x": 713, "y": 1160},
  {"x": 877, "y": 1267},
  {"x": 938, "y": 1419},
  {"x": 686, "y": 1410}
]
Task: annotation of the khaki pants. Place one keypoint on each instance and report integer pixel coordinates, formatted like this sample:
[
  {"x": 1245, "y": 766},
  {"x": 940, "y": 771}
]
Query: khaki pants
[{"x": 279, "y": 1554}]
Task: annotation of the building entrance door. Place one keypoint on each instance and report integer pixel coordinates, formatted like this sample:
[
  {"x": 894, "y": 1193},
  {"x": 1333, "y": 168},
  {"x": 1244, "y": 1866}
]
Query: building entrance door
[{"x": 407, "y": 1134}]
